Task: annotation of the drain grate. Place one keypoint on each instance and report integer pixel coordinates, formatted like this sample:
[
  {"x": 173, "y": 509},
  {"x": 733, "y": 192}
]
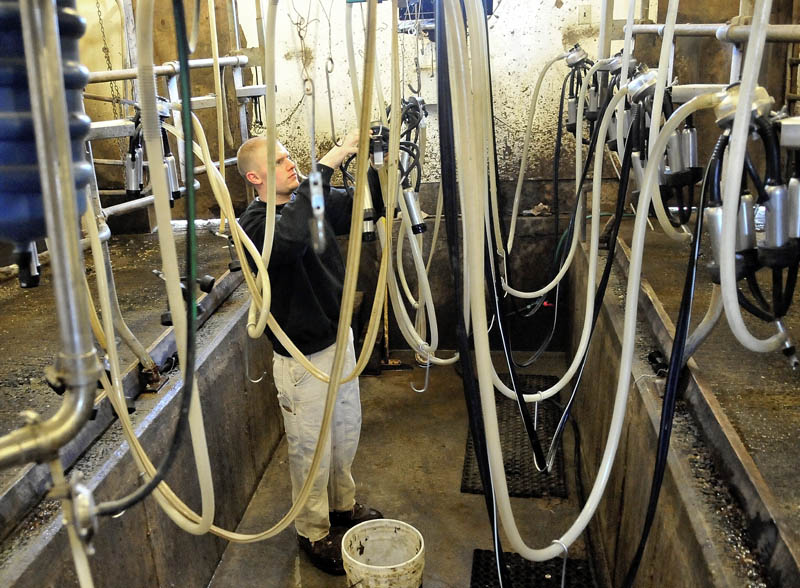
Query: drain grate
[
  {"x": 524, "y": 480},
  {"x": 529, "y": 574}
]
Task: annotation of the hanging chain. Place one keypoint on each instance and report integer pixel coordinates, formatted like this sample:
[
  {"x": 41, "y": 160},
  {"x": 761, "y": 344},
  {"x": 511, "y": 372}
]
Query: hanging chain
[
  {"x": 115, "y": 95},
  {"x": 256, "y": 125}
]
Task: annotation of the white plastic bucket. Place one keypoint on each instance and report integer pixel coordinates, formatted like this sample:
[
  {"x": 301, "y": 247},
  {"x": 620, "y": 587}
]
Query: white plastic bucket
[{"x": 383, "y": 553}]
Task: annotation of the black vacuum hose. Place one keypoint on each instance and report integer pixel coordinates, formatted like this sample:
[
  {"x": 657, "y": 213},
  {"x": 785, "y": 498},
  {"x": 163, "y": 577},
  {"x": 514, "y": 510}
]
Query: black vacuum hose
[
  {"x": 715, "y": 163},
  {"x": 676, "y": 364},
  {"x": 772, "y": 150},
  {"x": 450, "y": 195}
]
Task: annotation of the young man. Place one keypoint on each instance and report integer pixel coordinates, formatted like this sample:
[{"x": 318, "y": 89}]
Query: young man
[{"x": 306, "y": 295}]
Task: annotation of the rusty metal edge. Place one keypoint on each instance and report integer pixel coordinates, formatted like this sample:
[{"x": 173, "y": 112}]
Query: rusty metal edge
[
  {"x": 32, "y": 480},
  {"x": 775, "y": 546}
]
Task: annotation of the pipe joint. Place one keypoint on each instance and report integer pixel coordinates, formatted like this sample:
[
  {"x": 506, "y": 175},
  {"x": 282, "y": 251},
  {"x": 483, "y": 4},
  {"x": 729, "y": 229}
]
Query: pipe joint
[
  {"x": 643, "y": 84},
  {"x": 74, "y": 370},
  {"x": 576, "y": 56},
  {"x": 725, "y": 111}
]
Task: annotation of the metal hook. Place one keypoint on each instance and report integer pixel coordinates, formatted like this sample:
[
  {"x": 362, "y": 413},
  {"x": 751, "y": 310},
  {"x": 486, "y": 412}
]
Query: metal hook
[
  {"x": 328, "y": 72},
  {"x": 427, "y": 370},
  {"x": 247, "y": 362},
  {"x": 416, "y": 91},
  {"x": 564, "y": 567}
]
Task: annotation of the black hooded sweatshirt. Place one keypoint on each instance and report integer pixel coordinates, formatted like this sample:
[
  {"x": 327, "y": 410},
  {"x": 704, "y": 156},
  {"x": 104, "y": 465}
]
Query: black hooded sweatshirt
[{"x": 306, "y": 285}]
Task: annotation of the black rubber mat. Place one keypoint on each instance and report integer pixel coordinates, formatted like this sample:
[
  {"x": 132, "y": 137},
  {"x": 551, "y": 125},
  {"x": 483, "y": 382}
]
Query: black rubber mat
[
  {"x": 524, "y": 480},
  {"x": 530, "y": 574}
]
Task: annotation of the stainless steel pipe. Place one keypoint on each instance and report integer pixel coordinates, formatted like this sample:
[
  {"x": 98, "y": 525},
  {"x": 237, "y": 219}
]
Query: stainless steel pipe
[
  {"x": 76, "y": 367},
  {"x": 723, "y": 32},
  {"x": 168, "y": 69}
]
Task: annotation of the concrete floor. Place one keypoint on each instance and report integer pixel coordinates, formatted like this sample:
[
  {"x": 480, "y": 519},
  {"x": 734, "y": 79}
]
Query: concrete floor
[
  {"x": 29, "y": 331},
  {"x": 759, "y": 392},
  {"x": 409, "y": 466}
]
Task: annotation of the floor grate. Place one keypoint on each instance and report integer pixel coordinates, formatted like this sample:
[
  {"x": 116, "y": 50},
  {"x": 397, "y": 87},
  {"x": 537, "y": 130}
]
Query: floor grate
[
  {"x": 524, "y": 480},
  {"x": 529, "y": 574}
]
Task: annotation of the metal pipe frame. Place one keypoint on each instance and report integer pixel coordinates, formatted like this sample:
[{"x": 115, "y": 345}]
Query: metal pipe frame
[
  {"x": 168, "y": 69},
  {"x": 76, "y": 366},
  {"x": 723, "y": 32},
  {"x": 125, "y": 333}
]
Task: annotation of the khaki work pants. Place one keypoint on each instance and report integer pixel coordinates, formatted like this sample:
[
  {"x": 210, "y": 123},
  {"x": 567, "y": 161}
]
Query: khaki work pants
[{"x": 302, "y": 400}]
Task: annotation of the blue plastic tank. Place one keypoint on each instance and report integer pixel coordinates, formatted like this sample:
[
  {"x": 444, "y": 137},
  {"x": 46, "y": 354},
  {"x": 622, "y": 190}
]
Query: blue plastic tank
[{"x": 21, "y": 212}]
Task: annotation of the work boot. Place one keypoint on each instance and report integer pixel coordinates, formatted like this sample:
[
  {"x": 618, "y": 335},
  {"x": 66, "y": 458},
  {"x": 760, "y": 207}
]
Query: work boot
[
  {"x": 350, "y": 518},
  {"x": 325, "y": 554}
]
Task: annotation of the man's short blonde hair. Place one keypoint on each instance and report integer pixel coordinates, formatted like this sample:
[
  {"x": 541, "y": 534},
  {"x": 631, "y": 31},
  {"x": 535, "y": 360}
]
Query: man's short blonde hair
[{"x": 247, "y": 156}]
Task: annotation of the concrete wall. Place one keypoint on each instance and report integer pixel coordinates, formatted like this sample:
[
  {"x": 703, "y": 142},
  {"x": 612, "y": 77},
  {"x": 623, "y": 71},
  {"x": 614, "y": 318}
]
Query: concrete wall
[
  {"x": 699, "y": 537},
  {"x": 143, "y": 548}
]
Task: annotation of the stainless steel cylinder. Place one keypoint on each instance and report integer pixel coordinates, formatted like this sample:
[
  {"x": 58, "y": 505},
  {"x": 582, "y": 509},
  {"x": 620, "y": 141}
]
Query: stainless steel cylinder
[
  {"x": 746, "y": 224},
  {"x": 777, "y": 209},
  {"x": 675, "y": 153},
  {"x": 572, "y": 111},
  {"x": 689, "y": 147},
  {"x": 414, "y": 213},
  {"x": 793, "y": 225},
  {"x": 134, "y": 176},
  {"x": 172, "y": 176},
  {"x": 594, "y": 100},
  {"x": 638, "y": 170},
  {"x": 713, "y": 221},
  {"x": 368, "y": 230}
]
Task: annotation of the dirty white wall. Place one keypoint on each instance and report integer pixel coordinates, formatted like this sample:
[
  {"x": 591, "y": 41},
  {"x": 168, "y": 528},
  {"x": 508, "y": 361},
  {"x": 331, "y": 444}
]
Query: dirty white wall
[
  {"x": 524, "y": 34},
  {"x": 91, "y": 48}
]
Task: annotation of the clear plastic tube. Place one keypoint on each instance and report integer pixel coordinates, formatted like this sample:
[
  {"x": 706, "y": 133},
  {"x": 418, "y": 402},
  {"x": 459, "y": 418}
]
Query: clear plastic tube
[
  {"x": 401, "y": 272},
  {"x": 732, "y": 185},
  {"x": 220, "y": 99},
  {"x": 594, "y": 251},
  {"x": 242, "y": 242},
  {"x": 351, "y": 59},
  {"x": 578, "y": 188},
  {"x": 682, "y": 236},
  {"x": 256, "y": 326},
  {"x": 525, "y": 146},
  {"x": 468, "y": 160},
  {"x": 177, "y": 510}
]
